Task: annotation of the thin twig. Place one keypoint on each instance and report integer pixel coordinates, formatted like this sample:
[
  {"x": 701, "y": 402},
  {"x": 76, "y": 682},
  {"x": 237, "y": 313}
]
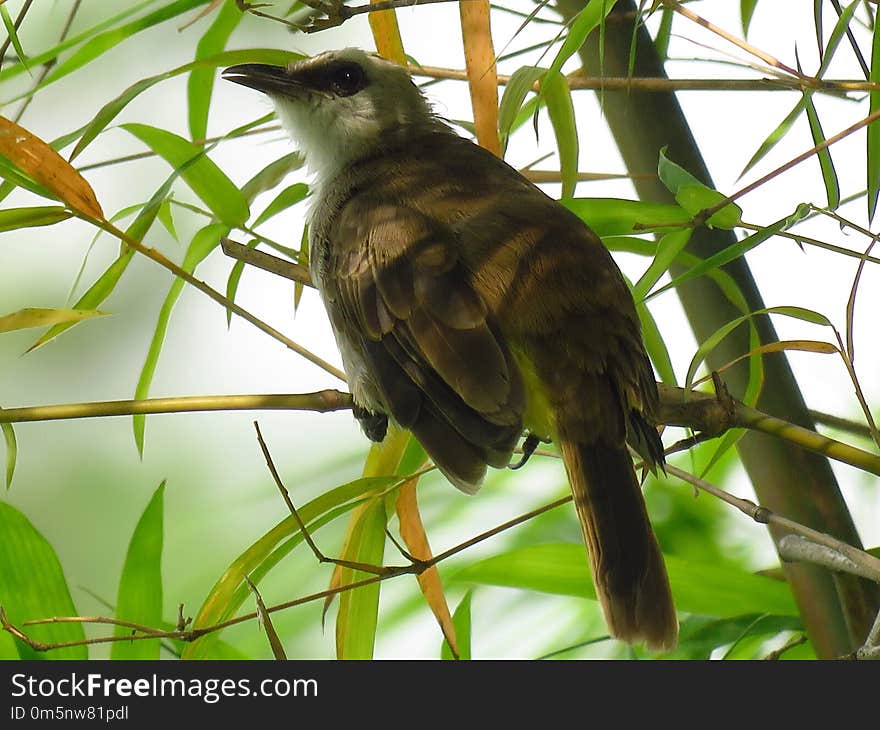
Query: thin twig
[
  {"x": 577, "y": 80},
  {"x": 794, "y": 641},
  {"x": 319, "y": 556},
  {"x": 193, "y": 634},
  {"x": 266, "y": 620},
  {"x": 762, "y": 515},
  {"x": 267, "y": 262},
  {"x": 800, "y": 239},
  {"x": 160, "y": 259},
  {"x": 49, "y": 64},
  {"x": 738, "y": 42},
  {"x": 860, "y": 396},
  {"x": 704, "y": 215},
  {"x": 198, "y": 142}
]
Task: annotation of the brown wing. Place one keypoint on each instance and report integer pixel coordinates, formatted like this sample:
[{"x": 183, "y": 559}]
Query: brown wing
[{"x": 431, "y": 349}]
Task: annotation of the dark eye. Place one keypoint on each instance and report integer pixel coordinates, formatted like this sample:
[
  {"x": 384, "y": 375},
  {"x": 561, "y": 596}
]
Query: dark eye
[{"x": 347, "y": 79}]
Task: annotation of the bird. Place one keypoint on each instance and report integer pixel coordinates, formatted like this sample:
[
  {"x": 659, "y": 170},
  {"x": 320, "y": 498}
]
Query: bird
[{"x": 471, "y": 308}]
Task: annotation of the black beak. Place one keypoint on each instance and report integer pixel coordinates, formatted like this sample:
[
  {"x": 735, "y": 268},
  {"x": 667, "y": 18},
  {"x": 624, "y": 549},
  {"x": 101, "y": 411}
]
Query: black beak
[{"x": 262, "y": 77}]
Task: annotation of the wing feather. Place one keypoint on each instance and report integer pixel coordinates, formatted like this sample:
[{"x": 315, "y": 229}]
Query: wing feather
[{"x": 428, "y": 340}]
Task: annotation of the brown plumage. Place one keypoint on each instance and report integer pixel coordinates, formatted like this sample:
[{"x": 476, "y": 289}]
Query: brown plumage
[{"x": 469, "y": 306}]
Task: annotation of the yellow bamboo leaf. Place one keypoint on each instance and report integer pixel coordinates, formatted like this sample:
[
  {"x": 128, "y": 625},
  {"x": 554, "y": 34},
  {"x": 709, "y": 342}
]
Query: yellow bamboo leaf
[
  {"x": 816, "y": 346},
  {"x": 479, "y": 55},
  {"x": 42, "y": 163},
  {"x": 365, "y": 543},
  {"x": 38, "y": 317},
  {"x": 386, "y": 34},
  {"x": 412, "y": 530}
]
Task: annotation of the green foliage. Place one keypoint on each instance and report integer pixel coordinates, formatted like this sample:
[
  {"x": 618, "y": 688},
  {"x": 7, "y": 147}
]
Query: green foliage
[
  {"x": 32, "y": 584},
  {"x": 727, "y": 609},
  {"x": 140, "y": 587}
]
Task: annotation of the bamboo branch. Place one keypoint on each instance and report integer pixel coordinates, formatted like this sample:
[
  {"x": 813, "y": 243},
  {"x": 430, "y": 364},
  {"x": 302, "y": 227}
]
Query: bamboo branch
[
  {"x": 798, "y": 547},
  {"x": 582, "y": 80},
  {"x": 709, "y": 414}
]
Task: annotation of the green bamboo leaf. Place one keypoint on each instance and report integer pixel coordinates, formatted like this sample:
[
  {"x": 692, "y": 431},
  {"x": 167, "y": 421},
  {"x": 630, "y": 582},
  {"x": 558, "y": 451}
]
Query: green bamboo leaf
[
  {"x": 697, "y": 197},
  {"x": 12, "y": 219},
  {"x": 631, "y": 244},
  {"x": 699, "y": 636},
  {"x": 826, "y": 164},
  {"x": 111, "y": 109},
  {"x": 205, "y": 179},
  {"x": 873, "y": 156},
  {"x": 272, "y": 175},
  {"x": 41, "y": 317},
  {"x": 529, "y": 111},
  {"x": 288, "y": 197},
  {"x": 200, "y": 84},
  {"x": 6, "y": 188},
  {"x": 520, "y": 83},
  {"x": 557, "y": 95},
  {"x": 656, "y": 345},
  {"x": 32, "y": 586},
  {"x": 231, "y": 590},
  {"x": 581, "y": 26},
  {"x": 115, "y": 218},
  {"x": 702, "y": 588},
  {"x": 298, "y": 286},
  {"x": 644, "y": 247},
  {"x": 51, "y": 54},
  {"x": 711, "y": 342},
  {"x": 746, "y": 10},
  {"x": 668, "y": 249},
  {"x": 359, "y": 609},
  {"x": 694, "y": 196},
  {"x": 806, "y": 315},
  {"x": 202, "y": 244},
  {"x": 461, "y": 620},
  {"x": 13, "y": 36},
  {"x": 106, "y": 283},
  {"x": 615, "y": 216},
  {"x": 16, "y": 178},
  {"x": 11, "y": 451},
  {"x": 730, "y": 439},
  {"x": 785, "y": 125},
  {"x": 234, "y": 279},
  {"x": 140, "y": 586},
  {"x": 736, "y": 250},
  {"x": 166, "y": 217},
  {"x": 753, "y": 389},
  {"x": 664, "y": 33},
  {"x": 837, "y": 34},
  {"x": 773, "y": 138},
  {"x": 96, "y": 293},
  {"x": 103, "y": 42}
]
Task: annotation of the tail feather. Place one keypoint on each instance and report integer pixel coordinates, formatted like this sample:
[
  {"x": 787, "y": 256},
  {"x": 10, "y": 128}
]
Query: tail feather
[{"x": 628, "y": 568}]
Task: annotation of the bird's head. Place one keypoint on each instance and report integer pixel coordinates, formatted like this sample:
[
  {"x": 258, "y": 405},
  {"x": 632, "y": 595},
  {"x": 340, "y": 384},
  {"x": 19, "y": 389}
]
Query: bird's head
[{"x": 339, "y": 105}]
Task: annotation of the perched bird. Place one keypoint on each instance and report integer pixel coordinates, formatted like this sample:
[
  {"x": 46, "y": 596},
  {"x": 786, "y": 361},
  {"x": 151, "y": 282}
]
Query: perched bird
[{"x": 470, "y": 307}]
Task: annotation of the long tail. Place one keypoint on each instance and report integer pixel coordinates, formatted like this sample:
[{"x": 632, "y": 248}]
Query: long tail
[{"x": 628, "y": 569}]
